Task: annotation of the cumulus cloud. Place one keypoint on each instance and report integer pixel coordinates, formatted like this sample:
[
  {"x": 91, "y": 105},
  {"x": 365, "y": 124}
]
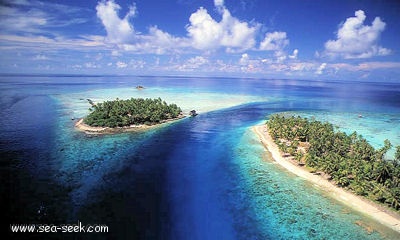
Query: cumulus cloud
[
  {"x": 320, "y": 69},
  {"x": 121, "y": 32},
  {"x": 204, "y": 30},
  {"x": 277, "y": 42},
  {"x": 207, "y": 34},
  {"x": 162, "y": 42},
  {"x": 194, "y": 63},
  {"x": 274, "y": 41},
  {"x": 302, "y": 66},
  {"x": 294, "y": 55},
  {"x": 197, "y": 61},
  {"x": 356, "y": 40},
  {"x": 118, "y": 30},
  {"x": 204, "y": 33},
  {"x": 244, "y": 60},
  {"x": 249, "y": 65}
]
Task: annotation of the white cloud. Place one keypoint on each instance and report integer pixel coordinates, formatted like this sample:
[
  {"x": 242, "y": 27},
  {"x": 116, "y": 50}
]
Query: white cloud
[
  {"x": 92, "y": 65},
  {"x": 13, "y": 19},
  {"x": 219, "y": 3},
  {"x": 35, "y": 26},
  {"x": 206, "y": 33},
  {"x": 248, "y": 64},
  {"x": 378, "y": 65},
  {"x": 40, "y": 57},
  {"x": 195, "y": 63},
  {"x": 280, "y": 56},
  {"x": 302, "y": 66},
  {"x": 366, "y": 66},
  {"x": 121, "y": 32},
  {"x": 162, "y": 42},
  {"x": 266, "y": 60},
  {"x": 204, "y": 30},
  {"x": 206, "y": 38},
  {"x": 278, "y": 67},
  {"x": 46, "y": 43},
  {"x": 137, "y": 64},
  {"x": 203, "y": 33},
  {"x": 275, "y": 41},
  {"x": 356, "y": 40},
  {"x": 120, "y": 64},
  {"x": 198, "y": 60},
  {"x": 118, "y": 30},
  {"x": 244, "y": 60},
  {"x": 294, "y": 55},
  {"x": 320, "y": 69},
  {"x": 35, "y": 17}
]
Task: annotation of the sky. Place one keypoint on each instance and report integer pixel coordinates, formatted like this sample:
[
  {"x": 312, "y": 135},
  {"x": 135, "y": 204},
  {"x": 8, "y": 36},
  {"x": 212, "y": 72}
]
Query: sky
[{"x": 285, "y": 39}]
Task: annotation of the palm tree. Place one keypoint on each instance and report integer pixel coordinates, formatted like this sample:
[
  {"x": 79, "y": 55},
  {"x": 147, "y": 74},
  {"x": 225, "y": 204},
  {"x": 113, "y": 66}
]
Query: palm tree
[
  {"x": 380, "y": 154},
  {"x": 379, "y": 192},
  {"x": 393, "y": 197},
  {"x": 397, "y": 154},
  {"x": 382, "y": 171},
  {"x": 349, "y": 159}
]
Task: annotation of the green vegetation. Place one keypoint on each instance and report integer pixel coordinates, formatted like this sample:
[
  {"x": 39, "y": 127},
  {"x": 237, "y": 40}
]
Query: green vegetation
[
  {"x": 134, "y": 111},
  {"x": 349, "y": 160}
]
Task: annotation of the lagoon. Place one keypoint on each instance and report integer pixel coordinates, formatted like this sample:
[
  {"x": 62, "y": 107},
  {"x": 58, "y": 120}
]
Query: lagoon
[{"x": 206, "y": 177}]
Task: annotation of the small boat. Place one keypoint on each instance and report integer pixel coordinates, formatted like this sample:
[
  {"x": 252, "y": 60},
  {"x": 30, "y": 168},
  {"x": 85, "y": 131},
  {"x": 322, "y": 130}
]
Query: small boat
[{"x": 193, "y": 113}]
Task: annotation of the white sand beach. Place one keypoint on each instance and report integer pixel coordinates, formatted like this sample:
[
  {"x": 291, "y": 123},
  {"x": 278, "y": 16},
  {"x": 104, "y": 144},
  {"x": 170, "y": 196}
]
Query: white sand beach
[
  {"x": 81, "y": 126},
  {"x": 365, "y": 206}
]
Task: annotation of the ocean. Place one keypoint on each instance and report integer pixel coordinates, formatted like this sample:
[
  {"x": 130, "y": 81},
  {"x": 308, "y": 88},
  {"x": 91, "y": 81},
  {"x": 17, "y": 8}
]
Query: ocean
[{"x": 203, "y": 177}]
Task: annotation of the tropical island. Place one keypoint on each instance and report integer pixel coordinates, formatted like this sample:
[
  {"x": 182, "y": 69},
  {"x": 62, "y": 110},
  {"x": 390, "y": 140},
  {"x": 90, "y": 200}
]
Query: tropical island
[
  {"x": 122, "y": 115},
  {"x": 344, "y": 165}
]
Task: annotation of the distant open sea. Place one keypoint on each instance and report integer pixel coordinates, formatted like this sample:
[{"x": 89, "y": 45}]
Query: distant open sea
[{"x": 206, "y": 177}]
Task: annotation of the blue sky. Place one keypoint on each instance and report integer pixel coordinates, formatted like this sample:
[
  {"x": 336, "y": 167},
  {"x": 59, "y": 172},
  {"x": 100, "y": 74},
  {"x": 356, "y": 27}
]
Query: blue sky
[{"x": 309, "y": 39}]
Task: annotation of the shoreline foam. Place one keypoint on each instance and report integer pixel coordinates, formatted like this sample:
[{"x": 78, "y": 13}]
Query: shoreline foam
[{"x": 378, "y": 213}]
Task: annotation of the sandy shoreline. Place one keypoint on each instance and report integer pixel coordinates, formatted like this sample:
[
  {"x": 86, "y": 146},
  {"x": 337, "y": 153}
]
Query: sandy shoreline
[
  {"x": 81, "y": 126},
  {"x": 373, "y": 210}
]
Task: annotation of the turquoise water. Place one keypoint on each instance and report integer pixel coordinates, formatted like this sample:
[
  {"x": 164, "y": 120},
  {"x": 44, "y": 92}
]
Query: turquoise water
[{"x": 206, "y": 177}]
